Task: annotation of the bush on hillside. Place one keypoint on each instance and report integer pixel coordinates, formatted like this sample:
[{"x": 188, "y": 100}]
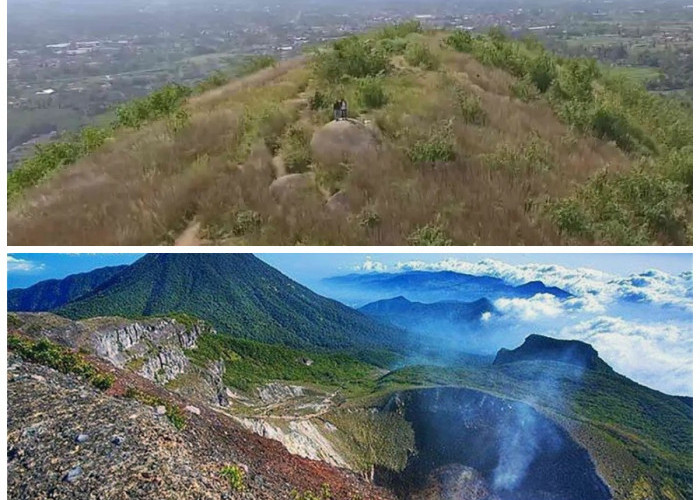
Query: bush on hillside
[
  {"x": 253, "y": 64},
  {"x": 296, "y": 148},
  {"x": 370, "y": 92},
  {"x": 541, "y": 71},
  {"x": 352, "y": 56},
  {"x": 438, "y": 146},
  {"x": 433, "y": 234},
  {"x": 156, "y": 105},
  {"x": 470, "y": 107},
  {"x": 460, "y": 40},
  {"x": 632, "y": 208},
  {"x": 400, "y": 30},
  {"x": 214, "y": 80},
  {"x": 419, "y": 54},
  {"x": 51, "y": 156}
]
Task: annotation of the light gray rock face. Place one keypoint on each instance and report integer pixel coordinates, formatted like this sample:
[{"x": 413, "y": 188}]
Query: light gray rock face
[
  {"x": 276, "y": 392},
  {"x": 301, "y": 437},
  {"x": 216, "y": 374},
  {"x": 157, "y": 342},
  {"x": 165, "y": 366}
]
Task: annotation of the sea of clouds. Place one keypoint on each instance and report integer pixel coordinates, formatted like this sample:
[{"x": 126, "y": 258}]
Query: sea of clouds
[{"x": 641, "y": 324}]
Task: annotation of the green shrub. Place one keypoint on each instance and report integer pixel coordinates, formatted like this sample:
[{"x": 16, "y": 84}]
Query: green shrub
[
  {"x": 632, "y": 208},
  {"x": 296, "y": 148},
  {"x": 430, "y": 235},
  {"x": 541, "y": 71},
  {"x": 524, "y": 90},
  {"x": 370, "y": 92},
  {"x": 352, "y": 57},
  {"x": 460, "y": 40},
  {"x": 156, "y": 105},
  {"x": 369, "y": 218},
  {"x": 470, "y": 107},
  {"x": 50, "y": 157},
  {"x": 574, "y": 81},
  {"x": 235, "y": 476},
  {"x": 419, "y": 54},
  {"x": 437, "y": 147},
  {"x": 253, "y": 64},
  {"x": 614, "y": 125},
  {"x": 319, "y": 100},
  {"x": 399, "y": 30},
  {"x": 245, "y": 222},
  {"x": 48, "y": 353},
  {"x": 214, "y": 80},
  {"x": 324, "y": 494}
]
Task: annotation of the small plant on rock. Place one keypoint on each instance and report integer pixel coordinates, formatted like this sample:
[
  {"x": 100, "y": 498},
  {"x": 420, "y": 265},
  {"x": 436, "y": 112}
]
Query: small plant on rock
[{"x": 235, "y": 476}]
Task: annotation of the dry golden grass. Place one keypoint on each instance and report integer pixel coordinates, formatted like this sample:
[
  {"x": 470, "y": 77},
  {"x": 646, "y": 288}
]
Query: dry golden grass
[{"x": 148, "y": 186}]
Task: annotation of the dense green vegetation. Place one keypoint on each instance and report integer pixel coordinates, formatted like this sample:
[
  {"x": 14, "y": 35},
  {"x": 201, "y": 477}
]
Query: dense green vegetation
[
  {"x": 647, "y": 204},
  {"x": 239, "y": 295},
  {"x": 50, "y": 294},
  {"x": 48, "y": 353},
  {"x": 250, "y": 364}
]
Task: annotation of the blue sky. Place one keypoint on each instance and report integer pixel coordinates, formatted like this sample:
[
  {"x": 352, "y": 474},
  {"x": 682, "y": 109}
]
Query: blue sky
[{"x": 309, "y": 268}]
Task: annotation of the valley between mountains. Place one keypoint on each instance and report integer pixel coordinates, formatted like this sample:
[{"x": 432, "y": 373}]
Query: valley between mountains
[{"x": 217, "y": 377}]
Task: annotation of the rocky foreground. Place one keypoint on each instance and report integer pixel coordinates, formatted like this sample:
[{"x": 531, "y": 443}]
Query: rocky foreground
[{"x": 69, "y": 440}]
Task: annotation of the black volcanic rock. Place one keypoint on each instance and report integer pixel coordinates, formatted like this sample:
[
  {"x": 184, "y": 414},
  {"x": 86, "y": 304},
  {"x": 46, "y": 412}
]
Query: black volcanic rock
[
  {"x": 51, "y": 294},
  {"x": 541, "y": 348}
]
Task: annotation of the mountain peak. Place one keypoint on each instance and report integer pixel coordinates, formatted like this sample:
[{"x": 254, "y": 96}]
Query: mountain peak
[{"x": 542, "y": 348}]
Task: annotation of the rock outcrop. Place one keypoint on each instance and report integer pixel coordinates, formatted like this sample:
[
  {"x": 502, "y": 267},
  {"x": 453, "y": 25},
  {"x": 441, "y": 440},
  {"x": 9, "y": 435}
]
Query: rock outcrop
[
  {"x": 288, "y": 187},
  {"x": 341, "y": 141}
]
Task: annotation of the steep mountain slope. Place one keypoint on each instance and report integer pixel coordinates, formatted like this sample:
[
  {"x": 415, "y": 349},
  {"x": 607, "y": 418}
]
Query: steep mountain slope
[
  {"x": 418, "y": 316},
  {"x": 453, "y": 139},
  {"x": 431, "y": 286},
  {"x": 240, "y": 295},
  {"x": 67, "y": 437},
  {"x": 51, "y": 294},
  {"x": 536, "y": 426}
]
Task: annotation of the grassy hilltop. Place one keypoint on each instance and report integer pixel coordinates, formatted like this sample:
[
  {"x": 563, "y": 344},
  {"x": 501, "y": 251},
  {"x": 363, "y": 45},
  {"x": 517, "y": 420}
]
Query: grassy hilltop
[{"x": 459, "y": 138}]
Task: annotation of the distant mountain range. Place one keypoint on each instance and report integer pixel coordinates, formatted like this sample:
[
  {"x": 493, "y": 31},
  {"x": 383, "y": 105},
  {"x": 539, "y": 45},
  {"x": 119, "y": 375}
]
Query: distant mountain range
[
  {"x": 238, "y": 293},
  {"x": 421, "y": 317},
  {"x": 429, "y": 286}
]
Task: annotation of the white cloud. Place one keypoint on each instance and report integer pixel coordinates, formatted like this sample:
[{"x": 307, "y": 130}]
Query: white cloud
[
  {"x": 371, "y": 265},
  {"x": 545, "y": 305},
  {"x": 531, "y": 309},
  {"x": 592, "y": 286},
  {"x": 658, "y": 355},
  {"x": 21, "y": 265}
]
